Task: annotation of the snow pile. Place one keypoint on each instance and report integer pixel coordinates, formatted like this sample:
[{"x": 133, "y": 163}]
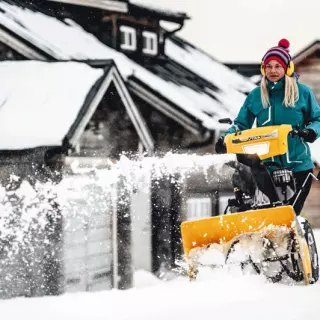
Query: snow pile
[
  {"x": 142, "y": 279},
  {"x": 229, "y": 296}
]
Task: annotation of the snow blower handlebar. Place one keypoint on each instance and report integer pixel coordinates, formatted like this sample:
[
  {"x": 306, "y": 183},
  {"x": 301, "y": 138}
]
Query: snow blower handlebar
[
  {"x": 304, "y": 185},
  {"x": 307, "y": 135}
]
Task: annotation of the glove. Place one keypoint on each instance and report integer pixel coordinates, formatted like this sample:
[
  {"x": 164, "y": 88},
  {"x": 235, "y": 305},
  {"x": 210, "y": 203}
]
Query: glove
[
  {"x": 220, "y": 146},
  {"x": 308, "y": 135}
]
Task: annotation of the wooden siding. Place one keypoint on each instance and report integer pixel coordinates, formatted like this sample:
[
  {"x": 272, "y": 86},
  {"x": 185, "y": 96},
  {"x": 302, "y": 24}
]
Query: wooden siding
[
  {"x": 110, "y": 130},
  {"x": 309, "y": 71},
  {"x": 170, "y": 136},
  {"x": 7, "y": 53}
]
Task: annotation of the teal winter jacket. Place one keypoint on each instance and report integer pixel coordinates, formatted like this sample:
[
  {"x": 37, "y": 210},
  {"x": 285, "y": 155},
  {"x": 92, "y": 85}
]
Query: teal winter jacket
[{"x": 305, "y": 114}]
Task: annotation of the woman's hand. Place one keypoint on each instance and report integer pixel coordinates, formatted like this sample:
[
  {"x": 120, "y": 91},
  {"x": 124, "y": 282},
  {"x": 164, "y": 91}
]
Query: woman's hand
[
  {"x": 220, "y": 146},
  {"x": 308, "y": 135}
]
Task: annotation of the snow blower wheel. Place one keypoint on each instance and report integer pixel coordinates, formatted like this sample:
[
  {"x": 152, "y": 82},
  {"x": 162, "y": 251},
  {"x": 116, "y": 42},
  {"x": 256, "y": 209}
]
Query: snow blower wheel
[{"x": 309, "y": 236}]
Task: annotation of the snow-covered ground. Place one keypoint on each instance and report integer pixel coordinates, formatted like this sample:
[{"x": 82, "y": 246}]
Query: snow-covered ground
[{"x": 217, "y": 295}]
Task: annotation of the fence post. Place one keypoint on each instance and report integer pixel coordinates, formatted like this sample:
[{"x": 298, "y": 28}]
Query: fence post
[
  {"x": 176, "y": 219},
  {"x": 166, "y": 219},
  {"x": 125, "y": 268},
  {"x": 53, "y": 258}
]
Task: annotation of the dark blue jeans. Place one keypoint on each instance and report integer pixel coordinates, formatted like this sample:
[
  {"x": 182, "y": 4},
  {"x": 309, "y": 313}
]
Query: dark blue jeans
[{"x": 300, "y": 177}]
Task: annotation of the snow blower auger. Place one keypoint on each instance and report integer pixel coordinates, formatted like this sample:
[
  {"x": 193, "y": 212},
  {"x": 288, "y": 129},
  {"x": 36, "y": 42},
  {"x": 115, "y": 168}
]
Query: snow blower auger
[{"x": 274, "y": 241}]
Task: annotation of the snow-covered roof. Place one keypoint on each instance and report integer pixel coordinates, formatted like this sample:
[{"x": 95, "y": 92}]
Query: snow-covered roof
[
  {"x": 40, "y": 101},
  {"x": 44, "y": 104},
  {"x": 306, "y": 52},
  {"x": 67, "y": 40},
  {"x": 166, "y": 13},
  {"x": 256, "y": 78},
  {"x": 61, "y": 40},
  {"x": 111, "y": 5},
  {"x": 231, "y": 85}
]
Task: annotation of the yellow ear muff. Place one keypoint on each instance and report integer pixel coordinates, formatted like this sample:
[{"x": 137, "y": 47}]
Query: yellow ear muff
[
  {"x": 262, "y": 69},
  {"x": 290, "y": 69}
]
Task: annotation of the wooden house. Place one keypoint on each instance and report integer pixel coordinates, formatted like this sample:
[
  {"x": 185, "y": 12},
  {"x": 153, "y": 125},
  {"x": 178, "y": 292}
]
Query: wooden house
[
  {"x": 307, "y": 65},
  {"x": 180, "y": 90},
  {"x": 49, "y": 113}
]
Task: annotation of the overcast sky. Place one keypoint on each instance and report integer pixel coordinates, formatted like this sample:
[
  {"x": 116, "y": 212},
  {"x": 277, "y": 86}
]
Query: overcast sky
[{"x": 242, "y": 30}]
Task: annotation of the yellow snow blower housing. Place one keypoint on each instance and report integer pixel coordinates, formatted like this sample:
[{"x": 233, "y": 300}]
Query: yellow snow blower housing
[
  {"x": 222, "y": 229},
  {"x": 265, "y": 142}
]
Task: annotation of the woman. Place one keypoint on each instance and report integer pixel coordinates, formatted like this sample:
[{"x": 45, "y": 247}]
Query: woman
[{"x": 281, "y": 99}]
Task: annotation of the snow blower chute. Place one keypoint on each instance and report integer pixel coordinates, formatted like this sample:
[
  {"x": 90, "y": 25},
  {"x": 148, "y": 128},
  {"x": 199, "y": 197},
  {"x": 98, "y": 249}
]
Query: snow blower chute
[{"x": 286, "y": 240}]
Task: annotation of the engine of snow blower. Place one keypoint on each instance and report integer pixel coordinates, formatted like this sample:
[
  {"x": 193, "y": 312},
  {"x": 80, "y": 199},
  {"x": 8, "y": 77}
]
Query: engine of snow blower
[{"x": 285, "y": 241}]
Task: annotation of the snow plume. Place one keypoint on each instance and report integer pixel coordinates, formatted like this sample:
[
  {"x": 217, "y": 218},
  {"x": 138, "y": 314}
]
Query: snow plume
[
  {"x": 37, "y": 218},
  {"x": 212, "y": 169},
  {"x": 22, "y": 207},
  {"x": 183, "y": 166},
  {"x": 24, "y": 236}
]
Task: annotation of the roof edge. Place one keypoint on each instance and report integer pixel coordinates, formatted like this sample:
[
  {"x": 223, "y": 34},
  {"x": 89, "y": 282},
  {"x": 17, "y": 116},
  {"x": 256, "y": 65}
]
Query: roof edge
[
  {"x": 306, "y": 52},
  {"x": 161, "y": 14},
  {"x": 109, "y": 5},
  {"x": 95, "y": 95}
]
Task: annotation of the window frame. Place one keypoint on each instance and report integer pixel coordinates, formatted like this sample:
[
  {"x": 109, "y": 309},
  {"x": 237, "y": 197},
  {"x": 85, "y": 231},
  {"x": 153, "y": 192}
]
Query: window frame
[
  {"x": 128, "y": 32},
  {"x": 199, "y": 207},
  {"x": 150, "y": 37}
]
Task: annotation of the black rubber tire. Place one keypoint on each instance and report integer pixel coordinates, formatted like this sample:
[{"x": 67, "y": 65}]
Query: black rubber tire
[{"x": 309, "y": 236}]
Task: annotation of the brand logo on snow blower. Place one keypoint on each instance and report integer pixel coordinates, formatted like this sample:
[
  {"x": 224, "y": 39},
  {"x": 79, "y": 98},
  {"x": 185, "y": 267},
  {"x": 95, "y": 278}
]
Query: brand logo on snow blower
[{"x": 273, "y": 134}]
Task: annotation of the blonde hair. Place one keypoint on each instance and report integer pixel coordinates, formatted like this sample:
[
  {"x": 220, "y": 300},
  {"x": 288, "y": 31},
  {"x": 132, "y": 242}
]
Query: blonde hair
[{"x": 291, "y": 92}]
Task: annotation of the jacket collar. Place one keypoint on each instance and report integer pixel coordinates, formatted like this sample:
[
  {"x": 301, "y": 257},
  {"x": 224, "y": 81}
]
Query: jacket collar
[{"x": 276, "y": 85}]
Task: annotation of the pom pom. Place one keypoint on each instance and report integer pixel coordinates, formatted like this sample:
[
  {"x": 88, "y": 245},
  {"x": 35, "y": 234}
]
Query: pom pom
[{"x": 284, "y": 43}]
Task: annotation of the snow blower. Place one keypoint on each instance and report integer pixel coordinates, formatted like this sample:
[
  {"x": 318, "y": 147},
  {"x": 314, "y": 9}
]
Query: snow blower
[{"x": 284, "y": 244}]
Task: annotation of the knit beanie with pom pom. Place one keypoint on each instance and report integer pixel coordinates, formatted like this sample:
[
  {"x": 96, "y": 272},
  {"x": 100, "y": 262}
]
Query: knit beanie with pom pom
[{"x": 279, "y": 53}]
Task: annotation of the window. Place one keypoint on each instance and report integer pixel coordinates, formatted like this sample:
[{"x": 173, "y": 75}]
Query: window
[
  {"x": 199, "y": 208},
  {"x": 128, "y": 38},
  {"x": 223, "y": 201},
  {"x": 150, "y": 43}
]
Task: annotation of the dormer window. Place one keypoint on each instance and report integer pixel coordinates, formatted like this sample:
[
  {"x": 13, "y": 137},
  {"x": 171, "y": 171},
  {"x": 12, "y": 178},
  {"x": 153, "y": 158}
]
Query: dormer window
[
  {"x": 150, "y": 43},
  {"x": 128, "y": 38}
]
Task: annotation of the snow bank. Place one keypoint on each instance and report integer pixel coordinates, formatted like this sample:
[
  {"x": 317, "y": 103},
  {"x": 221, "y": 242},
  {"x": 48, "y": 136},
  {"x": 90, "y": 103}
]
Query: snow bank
[
  {"x": 142, "y": 279},
  {"x": 222, "y": 295}
]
